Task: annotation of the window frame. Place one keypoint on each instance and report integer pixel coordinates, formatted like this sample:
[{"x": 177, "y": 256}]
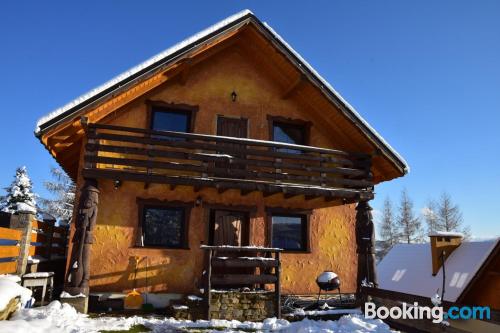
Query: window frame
[
  {"x": 305, "y": 230},
  {"x": 306, "y": 127},
  {"x": 154, "y": 203},
  {"x": 190, "y": 110}
]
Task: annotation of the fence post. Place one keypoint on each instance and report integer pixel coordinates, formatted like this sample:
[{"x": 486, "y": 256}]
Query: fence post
[
  {"x": 23, "y": 222},
  {"x": 50, "y": 235}
]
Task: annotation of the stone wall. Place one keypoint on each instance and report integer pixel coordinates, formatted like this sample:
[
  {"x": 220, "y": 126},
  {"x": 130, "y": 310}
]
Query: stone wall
[{"x": 242, "y": 306}]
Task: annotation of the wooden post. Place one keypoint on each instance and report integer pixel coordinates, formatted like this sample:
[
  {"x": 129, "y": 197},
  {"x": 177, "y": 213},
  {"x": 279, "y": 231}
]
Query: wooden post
[
  {"x": 277, "y": 286},
  {"x": 209, "y": 283},
  {"x": 50, "y": 231},
  {"x": 23, "y": 222},
  {"x": 78, "y": 274},
  {"x": 365, "y": 241}
]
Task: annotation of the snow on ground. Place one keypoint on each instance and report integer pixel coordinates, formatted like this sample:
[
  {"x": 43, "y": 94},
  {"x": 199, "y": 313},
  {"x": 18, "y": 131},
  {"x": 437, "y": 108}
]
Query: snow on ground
[
  {"x": 9, "y": 289},
  {"x": 62, "y": 318}
]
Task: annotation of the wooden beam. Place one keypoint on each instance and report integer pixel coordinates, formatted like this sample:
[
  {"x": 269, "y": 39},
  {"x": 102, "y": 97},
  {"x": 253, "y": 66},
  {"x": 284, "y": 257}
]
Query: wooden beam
[
  {"x": 243, "y": 263},
  {"x": 242, "y": 279},
  {"x": 246, "y": 192},
  {"x": 60, "y": 146}
]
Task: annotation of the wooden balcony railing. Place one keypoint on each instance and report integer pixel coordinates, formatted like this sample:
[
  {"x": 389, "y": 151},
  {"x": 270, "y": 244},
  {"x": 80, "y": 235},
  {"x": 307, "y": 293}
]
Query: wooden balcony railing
[{"x": 199, "y": 160}]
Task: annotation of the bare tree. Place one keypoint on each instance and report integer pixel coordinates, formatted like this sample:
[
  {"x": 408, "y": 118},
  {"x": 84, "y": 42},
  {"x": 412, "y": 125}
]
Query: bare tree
[
  {"x": 449, "y": 216},
  {"x": 431, "y": 217},
  {"x": 388, "y": 229},
  {"x": 410, "y": 227},
  {"x": 63, "y": 189}
]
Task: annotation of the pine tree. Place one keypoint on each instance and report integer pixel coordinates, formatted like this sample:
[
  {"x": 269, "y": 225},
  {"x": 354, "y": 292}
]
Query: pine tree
[
  {"x": 410, "y": 227},
  {"x": 63, "y": 189},
  {"x": 388, "y": 229},
  {"x": 19, "y": 192},
  {"x": 449, "y": 216},
  {"x": 431, "y": 218}
]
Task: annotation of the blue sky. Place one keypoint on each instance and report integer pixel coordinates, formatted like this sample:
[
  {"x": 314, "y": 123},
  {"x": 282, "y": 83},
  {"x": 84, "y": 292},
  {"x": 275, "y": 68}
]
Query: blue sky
[{"x": 425, "y": 74}]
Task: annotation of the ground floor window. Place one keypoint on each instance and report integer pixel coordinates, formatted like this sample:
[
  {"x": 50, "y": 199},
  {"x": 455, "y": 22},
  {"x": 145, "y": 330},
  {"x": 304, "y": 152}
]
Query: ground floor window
[
  {"x": 289, "y": 231},
  {"x": 163, "y": 226}
]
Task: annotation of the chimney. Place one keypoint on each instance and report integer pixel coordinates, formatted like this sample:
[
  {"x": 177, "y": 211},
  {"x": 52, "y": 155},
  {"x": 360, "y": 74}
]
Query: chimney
[{"x": 441, "y": 242}]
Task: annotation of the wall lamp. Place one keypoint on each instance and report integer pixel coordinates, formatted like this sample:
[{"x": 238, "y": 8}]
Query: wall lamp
[
  {"x": 117, "y": 184},
  {"x": 234, "y": 96}
]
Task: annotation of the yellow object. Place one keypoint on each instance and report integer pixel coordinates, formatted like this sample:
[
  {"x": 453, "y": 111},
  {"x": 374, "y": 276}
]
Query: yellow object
[{"x": 133, "y": 300}]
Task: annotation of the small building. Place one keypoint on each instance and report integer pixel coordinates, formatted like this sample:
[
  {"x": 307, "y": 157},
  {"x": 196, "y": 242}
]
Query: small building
[
  {"x": 471, "y": 272},
  {"x": 229, "y": 138}
]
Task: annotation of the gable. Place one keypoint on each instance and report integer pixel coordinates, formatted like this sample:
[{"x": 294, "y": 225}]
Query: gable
[
  {"x": 61, "y": 131},
  {"x": 207, "y": 89}
]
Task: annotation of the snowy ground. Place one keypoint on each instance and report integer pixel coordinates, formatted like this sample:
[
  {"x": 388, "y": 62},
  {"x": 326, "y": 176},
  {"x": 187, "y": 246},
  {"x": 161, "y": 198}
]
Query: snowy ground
[{"x": 59, "y": 318}]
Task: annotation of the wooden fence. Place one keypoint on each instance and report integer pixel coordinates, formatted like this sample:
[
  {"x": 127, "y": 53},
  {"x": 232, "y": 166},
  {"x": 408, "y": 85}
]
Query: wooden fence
[{"x": 43, "y": 240}]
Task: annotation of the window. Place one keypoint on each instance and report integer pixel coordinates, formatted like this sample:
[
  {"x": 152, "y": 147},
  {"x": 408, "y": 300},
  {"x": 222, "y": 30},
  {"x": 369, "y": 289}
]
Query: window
[
  {"x": 289, "y": 131},
  {"x": 163, "y": 226},
  {"x": 289, "y": 231},
  {"x": 170, "y": 119}
]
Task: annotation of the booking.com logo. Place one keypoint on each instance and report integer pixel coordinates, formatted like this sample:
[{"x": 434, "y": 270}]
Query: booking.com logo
[{"x": 436, "y": 313}]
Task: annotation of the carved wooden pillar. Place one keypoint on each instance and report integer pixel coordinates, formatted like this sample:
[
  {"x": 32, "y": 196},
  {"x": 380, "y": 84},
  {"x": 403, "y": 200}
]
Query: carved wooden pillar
[
  {"x": 365, "y": 241},
  {"x": 77, "y": 278}
]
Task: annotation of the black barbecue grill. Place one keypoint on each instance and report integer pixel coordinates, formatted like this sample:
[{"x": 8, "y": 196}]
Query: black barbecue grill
[{"x": 328, "y": 281}]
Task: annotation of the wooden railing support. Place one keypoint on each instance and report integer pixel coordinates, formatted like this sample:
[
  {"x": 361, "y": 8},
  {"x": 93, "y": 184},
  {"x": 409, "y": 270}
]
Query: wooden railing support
[
  {"x": 50, "y": 231},
  {"x": 23, "y": 222}
]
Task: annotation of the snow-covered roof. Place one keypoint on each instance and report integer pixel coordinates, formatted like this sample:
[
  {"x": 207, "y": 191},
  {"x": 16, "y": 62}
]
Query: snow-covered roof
[
  {"x": 178, "y": 49},
  {"x": 407, "y": 268}
]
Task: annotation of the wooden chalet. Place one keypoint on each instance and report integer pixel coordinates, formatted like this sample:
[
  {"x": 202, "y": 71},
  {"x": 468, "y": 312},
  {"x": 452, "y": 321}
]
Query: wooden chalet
[{"x": 228, "y": 138}]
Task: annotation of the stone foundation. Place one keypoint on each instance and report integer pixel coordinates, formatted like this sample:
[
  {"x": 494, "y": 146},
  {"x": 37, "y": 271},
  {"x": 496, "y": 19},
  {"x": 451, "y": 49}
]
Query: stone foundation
[
  {"x": 81, "y": 304},
  {"x": 242, "y": 306}
]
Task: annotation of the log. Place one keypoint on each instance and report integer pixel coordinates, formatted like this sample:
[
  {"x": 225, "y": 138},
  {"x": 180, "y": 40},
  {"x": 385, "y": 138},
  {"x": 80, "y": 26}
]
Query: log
[
  {"x": 243, "y": 262},
  {"x": 206, "y": 137}
]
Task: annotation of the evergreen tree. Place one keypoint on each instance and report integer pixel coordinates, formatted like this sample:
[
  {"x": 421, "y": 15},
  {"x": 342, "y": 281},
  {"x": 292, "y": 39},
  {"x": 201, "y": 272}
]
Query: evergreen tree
[
  {"x": 388, "y": 229},
  {"x": 63, "y": 189},
  {"x": 19, "y": 192},
  {"x": 410, "y": 227},
  {"x": 449, "y": 216}
]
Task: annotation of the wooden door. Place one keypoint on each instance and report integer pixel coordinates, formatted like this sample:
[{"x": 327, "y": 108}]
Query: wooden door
[
  {"x": 237, "y": 128},
  {"x": 228, "y": 228}
]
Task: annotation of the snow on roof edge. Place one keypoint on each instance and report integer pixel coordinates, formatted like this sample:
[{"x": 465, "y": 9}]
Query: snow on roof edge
[
  {"x": 446, "y": 234},
  {"x": 337, "y": 94},
  {"x": 124, "y": 75},
  {"x": 169, "y": 51}
]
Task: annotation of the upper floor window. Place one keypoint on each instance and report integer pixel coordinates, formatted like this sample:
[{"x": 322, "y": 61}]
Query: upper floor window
[
  {"x": 168, "y": 119},
  {"x": 289, "y": 231},
  {"x": 289, "y": 131},
  {"x": 171, "y": 117}
]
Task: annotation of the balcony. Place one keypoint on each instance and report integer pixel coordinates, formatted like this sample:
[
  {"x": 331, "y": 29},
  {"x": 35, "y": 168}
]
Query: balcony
[{"x": 225, "y": 163}]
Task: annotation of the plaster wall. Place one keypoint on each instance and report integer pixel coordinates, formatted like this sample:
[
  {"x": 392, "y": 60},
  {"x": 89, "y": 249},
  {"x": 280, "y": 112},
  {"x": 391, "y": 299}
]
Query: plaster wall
[{"x": 208, "y": 86}]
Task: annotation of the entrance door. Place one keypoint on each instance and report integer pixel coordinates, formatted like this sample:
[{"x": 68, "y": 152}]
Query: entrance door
[{"x": 228, "y": 228}]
